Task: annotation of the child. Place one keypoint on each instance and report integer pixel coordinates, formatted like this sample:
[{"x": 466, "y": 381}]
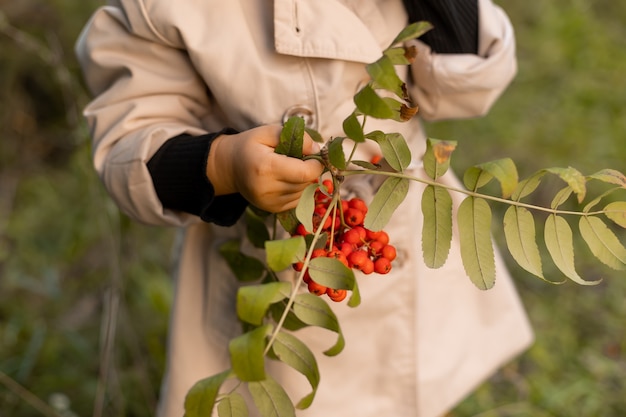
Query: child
[{"x": 188, "y": 102}]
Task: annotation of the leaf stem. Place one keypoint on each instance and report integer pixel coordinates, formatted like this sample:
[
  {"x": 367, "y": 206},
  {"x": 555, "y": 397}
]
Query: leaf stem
[
  {"x": 469, "y": 193},
  {"x": 296, "y": 286}
]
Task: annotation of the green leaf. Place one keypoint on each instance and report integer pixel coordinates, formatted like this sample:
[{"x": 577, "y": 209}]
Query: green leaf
[
  {"x": 366, "y": 165},
  {"x": 610, "y": 176},
  {"x": 306, "y": 206},
  {"x": 574, "y": 179},
  {"x": 475, "y": 178},
  {"x": 288, "y": 220},
  {"x": 253, "y": 301},
  {"x": 271, "y": 399},
  {"x": 256, "y": 229},
  {"x": 397, "y": 55},
  {"x": 560, "y": 244},
  {"x": 395, "y": 150},
  {"x": 294, "y": 353},
  {"x": 232, "y": 405},
  {"x": 314, "y": 134},
  {"x": 314, "y": 311},
  {"x": 396, "y": 109},
  {"x": 246, "y": 268},
  {"x": 477, "y": 254},
  {"x": 602, "y": 242},
  {"x": 561, "y": 197},
  {"x": 200, "y": 399},
  {"x": 505, "y": 171},
  {"x": 281, "y": 254},
  {"x": 292, "y": 322},
  {"x": 387, "y": 199},
  {"x": 384, "y": 76},
  {"x": 527, "y": 186},
  {"x": 247, "y": 354},
  {"x": 318, "y": 243},
  {"x": 375, "y": 135},
  {"x": 353, "y": 129},
  {"x": 291, "y": 138},
  {"x": 519, "y": 231},
  {"x": 332, "y": 273},
  {"x": 412, "y": 31},
  {"x": 616, "y": 212},
  {"x": 371, "y": 104},
  {"x": 599, "y": 198},
  {"x": 336, "y": 155},
  {"x": 437, "y": 229},
  {"x": 436, "y": 159}
]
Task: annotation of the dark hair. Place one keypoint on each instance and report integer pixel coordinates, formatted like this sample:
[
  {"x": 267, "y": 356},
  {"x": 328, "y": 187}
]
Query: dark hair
[{"x": 455, "y": 24}]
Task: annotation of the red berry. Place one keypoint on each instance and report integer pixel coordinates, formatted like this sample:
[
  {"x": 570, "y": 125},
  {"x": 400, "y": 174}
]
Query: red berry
[
  {"x": 376, "y": 159},
  {"x": 346, "y": 248},
  {"x": 300, "y": 230},
  {"x": 371, "y": 235},
  {"x": 358, "y": 204},
  {"x": 362, "y": 232},
  {"x": 339, "y": 255},
  {"x": 317, "y": 253},
  {"x": 298, "y": 266},
  {"x": 368, "y": 266},
  {"x": 329, "y": 186},
  {"x": 389, "y": 252},
  {"x": 358, "y": 259},
  {"x": 344, "y": 205},
  {"x": 375, "y": 248},
  {"x": 307, "y": 277},
  {"x": 336, "y": 295},
  {"x": 382, "y": 266},
  {"x": 320, "y": 210},
  {"x": 352, "y": 236},
  {"x": 317, "y": 289},
  {"x": 353, "y": 217},
  {"x": 383, "y": 237}
]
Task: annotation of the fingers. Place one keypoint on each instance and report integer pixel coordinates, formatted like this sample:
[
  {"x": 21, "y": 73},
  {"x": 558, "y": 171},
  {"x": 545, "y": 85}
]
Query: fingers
[
  {"x": 293, "y": 170},
  {"x": 309, "y": 146},
  {"x": 277, "y": 200},
  {"x": 269, "y": 135}
]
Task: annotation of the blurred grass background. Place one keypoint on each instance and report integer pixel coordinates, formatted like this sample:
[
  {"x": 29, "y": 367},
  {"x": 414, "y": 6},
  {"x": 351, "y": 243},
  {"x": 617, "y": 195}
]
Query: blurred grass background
[{"x": 69, "y": 262}]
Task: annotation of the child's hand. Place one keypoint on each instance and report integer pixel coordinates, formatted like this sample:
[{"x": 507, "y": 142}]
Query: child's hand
[{"x": 246, "y": 163}]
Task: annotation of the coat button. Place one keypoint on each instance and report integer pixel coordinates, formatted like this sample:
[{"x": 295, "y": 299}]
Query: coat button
[{"x": 301, "y": 111}]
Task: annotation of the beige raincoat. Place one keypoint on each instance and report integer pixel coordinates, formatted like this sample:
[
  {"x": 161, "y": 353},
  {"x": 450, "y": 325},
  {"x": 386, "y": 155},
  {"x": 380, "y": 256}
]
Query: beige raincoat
[{"x": 422, "y": 339}]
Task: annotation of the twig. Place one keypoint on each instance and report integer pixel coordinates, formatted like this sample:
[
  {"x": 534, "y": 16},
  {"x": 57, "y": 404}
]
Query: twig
[
  {"x": 27, "y": 396},
  {"x": 109, "y": 320}
]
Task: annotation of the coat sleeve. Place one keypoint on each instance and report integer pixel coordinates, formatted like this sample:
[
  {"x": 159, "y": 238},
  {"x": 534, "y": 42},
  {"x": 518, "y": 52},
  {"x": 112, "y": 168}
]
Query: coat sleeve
[
  {"x": 146, "y": 92},
  {"x": 454, "y": 86}
]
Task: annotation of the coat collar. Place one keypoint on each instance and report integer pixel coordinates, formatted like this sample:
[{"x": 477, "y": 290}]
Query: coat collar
[{"x": 329, "y": 29}]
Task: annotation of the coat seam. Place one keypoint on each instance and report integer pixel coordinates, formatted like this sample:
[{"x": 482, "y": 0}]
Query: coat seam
[
  {"x": 151, "y": 26},
  {"x": 316, "y": 101}
]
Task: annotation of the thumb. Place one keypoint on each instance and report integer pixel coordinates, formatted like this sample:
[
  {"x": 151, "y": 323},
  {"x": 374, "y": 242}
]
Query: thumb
[{"x": 309, "y": 146}]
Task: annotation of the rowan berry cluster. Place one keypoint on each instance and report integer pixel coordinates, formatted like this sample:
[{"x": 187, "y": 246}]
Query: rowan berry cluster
[{"x": 349, "y": 241}]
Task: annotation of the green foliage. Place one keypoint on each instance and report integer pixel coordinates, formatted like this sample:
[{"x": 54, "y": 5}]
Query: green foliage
[
  {"x": 474, "y": 219},
  {"x": 520, "y": 232},
  {"x": 563, "y": 108},
  {"x": 291, "y": 138},
  {"x": 436, "y": 233},
  {"x": 247, "y": 354},
  {"x": 291, "y": 351},
  {"x": 271, "y": 399},
  {"x": 202, "y": 395},
  {"x": 388, "y": 197}
]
